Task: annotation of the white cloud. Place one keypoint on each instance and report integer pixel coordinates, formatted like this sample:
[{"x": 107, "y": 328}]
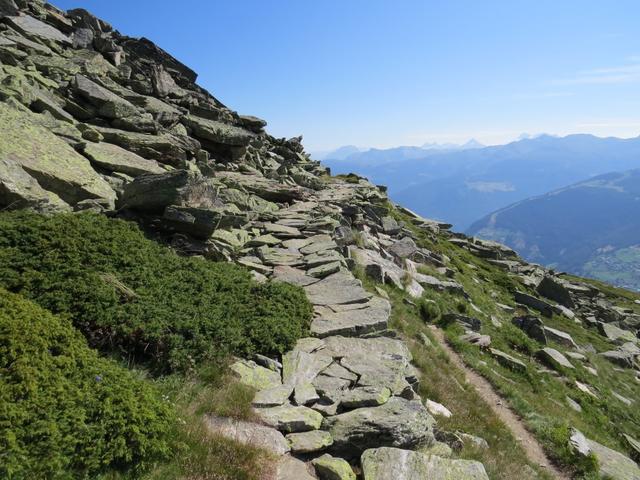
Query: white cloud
[{"x": 628, "y": 73}]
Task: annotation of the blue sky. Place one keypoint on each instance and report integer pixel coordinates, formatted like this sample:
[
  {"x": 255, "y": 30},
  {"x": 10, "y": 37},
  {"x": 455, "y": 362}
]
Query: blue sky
[{"x": 379, "y": 73}]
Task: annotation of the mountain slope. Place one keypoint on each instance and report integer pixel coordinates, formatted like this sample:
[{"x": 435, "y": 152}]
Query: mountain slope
[
  {"x": 589, "y": 228},
  {"x": 463, "y": 186},
  {"x": 195, "y": 235}
]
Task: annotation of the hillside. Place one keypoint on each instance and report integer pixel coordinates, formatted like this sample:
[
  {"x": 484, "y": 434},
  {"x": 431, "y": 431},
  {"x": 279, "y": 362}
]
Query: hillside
[
  {"x": 590, "y": 228},
  {"x": 184, "y": 296},
  {"x": 460, "y": 187}
]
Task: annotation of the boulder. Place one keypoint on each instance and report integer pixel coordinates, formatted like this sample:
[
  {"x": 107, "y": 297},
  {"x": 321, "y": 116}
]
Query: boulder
[
  {"x": 116, "y": 159},
  {"x": 369, "y": 317},
  {"x": 341, "y": 287},
  {"x": 553, "y": 289},
  {"x": 558, "y": 336},
  {"x": 272, "y": 396},
  {"x": 308, "y": 442},
  {"x": 109, "y": 104},
  {"x": 255, "y": 376},
  {"x": 403, "y": 248},
  {"x": 364, "y": 397},
  {"x": 532, "y": 326},
  {"x": 554, "y": 359},
  {"x": 290, "y": 468},
  {"x": 290, "y": 419},
  {"x": 611, "y": 464},
  {"x": 530, "y": 301},
  {"x": 248, "y": 433},
  {"x": 396, "y": 464},
  {"x": 616, "y": 334},
  {"x": 390, "y": 226},
  {"x": 398, "y": 423},
  {"x": 55, "y": 166},
  {"x": 437, "y": 409},
  {"x": 332, "y": 468},
  {"x": 217, "y": 132},
  {"x": 507, "y": 360},
  {"x": 32, "y": 27}
]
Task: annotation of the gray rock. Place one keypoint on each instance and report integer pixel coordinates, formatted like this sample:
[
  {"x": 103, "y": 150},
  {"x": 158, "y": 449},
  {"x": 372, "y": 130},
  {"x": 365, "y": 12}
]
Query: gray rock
[
  {"x": 403, "y": 248},
  {"x": 616, "y": 334},
  {"x": 332, "y": 468},
  {"x": 573, "y": 404},
  {"x": 507, "y": 360},
  {"x": 395, "y": 464},
  {"x": 217, "y": 132},
  {"x": 532, "y": 326},
  {"x": 389, "y": 225},
  {"x": 611, "y": 464},
  {"x": 322, "y": 271},
  {"x": 272, "y": 396},
  {"x": 290, "y": 419},
  {"x": 397, "y": 423},
  {"x": 109, "y": 104},
  {"x": 116, "y": 159},
  {"x": 35, "y": 28},
  {"x": 364, "y": 397},
  {"x": 530, "y": 301},
  {"x": 558, "y": 336},
  {"x": 338, "y": 288},
  {"x": 28, "y": 148},
  {"x": 554, "y": 358},
  {"x": 553, "y": 289},
  {"x": 300, "y": 367},
  {"x": 305, "y": 394},
  {"x": 290, "y": 468},
  {"x": 372, "y": 316},
  {"x": 248, "y": 433},
  {"x": 255, "y": 376},
  {"x": 308, "y": 442}
]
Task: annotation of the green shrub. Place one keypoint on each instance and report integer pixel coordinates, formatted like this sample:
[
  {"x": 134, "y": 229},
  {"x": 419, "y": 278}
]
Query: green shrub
[
  {"x": 129, "y": 294},
  {"x": 64, "y": 411},
  {"x": 429, "y": 310}
]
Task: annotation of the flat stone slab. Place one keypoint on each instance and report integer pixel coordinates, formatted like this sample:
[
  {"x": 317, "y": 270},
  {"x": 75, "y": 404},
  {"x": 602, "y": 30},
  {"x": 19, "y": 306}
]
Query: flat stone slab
[
  {"x": 365, "y": 397},
  {"x": 290, "y": 419},
  {"x": 507, "y": 360},
  {"x": 396, "y": 464},
  {"x": 378, "y": 362},
  {"x": 290, "y": 468},
  {"x": 273, "y": 396},
  {"x": 249, "y": 433},
  {"x": 558, "y": 336},
  {"x": 554, "y": 358},
  {"x": 341, "y": 287},
  {"x": 307, "y": 442},
  {"x": 398, "y": 423},
  {"x": 253, "y": 375},
  {"x": 372, "y": 317}
]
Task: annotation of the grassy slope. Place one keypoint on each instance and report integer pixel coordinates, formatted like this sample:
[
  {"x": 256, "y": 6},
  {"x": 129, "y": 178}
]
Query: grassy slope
[{"x": 539, "y": 396}]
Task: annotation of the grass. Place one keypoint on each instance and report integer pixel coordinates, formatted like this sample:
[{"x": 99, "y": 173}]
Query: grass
[
  {"x": 199, "y": 453},
  {"x": 539, "y": 395}
]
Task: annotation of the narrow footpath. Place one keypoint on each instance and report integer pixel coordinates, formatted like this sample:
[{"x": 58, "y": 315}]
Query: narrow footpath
[{"x": 501, "y": 407}]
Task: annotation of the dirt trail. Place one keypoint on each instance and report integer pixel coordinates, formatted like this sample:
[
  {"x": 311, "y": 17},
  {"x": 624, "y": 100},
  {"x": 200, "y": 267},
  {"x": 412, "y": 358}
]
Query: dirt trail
[{"x": 500, "y": 406}]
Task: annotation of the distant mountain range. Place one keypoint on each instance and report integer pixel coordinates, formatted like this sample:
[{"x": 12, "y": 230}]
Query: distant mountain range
[
  {"x": 591, "y": 228},
  {"x": 464, "y": 184}
]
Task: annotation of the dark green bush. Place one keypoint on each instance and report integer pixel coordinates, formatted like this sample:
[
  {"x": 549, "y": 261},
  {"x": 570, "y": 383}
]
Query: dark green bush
[
  {"x": 64, "y": 411},
  {"x": 429, "y": 310},
  {"x": 130, "y": 294}
]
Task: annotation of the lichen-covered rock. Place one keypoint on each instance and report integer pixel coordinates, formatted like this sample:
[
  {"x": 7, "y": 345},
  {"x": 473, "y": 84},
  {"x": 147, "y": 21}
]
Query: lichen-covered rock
[
  {"x": 55, "y": 166},
  {"x": 308, "y": 442},
  {"x": 333, "y": 468},
  {"x": 290, "y": 419},
  {"x": 554, "y": 358},
  {"x": 395, "y": 464},
  {"x": 116, "y": 159},
  {"x": 255, "y": 376},
  {"x": 398, "y": 423}
]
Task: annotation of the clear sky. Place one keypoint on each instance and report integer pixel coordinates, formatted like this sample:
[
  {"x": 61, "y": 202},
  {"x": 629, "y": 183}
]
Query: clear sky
[{"x": 379, "y": 73}]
